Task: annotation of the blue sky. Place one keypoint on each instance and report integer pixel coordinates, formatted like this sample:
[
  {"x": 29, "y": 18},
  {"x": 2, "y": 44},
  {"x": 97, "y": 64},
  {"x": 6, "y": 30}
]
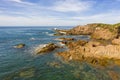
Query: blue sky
[{"x": 58, "y": 12}]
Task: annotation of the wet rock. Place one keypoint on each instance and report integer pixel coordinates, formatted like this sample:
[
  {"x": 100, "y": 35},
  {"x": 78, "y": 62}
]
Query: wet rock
[
  {"x": 21, "y": 45},
  {"x": 60, "y": 32},
  {"x": 47, "y": 48},
  {"x": 65, "y": 39},
  {"x": 27, "y": 73},
  {"x": 113, "y": 75}
]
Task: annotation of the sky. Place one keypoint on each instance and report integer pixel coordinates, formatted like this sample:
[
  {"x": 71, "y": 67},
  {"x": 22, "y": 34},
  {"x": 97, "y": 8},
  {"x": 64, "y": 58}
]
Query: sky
[{"x": 58, "y": 12}]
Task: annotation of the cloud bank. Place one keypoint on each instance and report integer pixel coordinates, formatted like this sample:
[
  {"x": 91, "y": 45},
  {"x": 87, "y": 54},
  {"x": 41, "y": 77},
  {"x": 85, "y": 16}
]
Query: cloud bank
[{"x": 57, "y": 12}]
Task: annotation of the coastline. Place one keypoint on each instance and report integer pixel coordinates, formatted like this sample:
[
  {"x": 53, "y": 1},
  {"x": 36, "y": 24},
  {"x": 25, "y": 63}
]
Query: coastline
[{"x": 103, "y": 48}]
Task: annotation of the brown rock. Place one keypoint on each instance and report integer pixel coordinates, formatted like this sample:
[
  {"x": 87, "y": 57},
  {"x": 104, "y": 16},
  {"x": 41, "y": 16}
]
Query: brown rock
[
  {"x": 76, "y": 43},
  {"x": 114, "y": 75},
  {"x": 65, "y": 39},
  {"x": 60, "y": 32},
  {"x": 116, "y": 41},
  {"x": 81, "y": 30},
  {"x": 21, "y": 45},
  {"x": 104, "y": 34},
  {"x": 54, "y": 64},
  {"x": 93, "y": 43},
  {"x": 47, "y": 48}
]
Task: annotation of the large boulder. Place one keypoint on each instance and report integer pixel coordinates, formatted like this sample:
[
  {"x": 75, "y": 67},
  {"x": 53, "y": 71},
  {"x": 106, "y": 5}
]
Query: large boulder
[{"x": 47, "y": 48}]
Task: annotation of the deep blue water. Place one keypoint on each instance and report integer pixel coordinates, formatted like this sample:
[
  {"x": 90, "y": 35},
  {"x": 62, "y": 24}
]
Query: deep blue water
[{"x": 24, "y": 64}]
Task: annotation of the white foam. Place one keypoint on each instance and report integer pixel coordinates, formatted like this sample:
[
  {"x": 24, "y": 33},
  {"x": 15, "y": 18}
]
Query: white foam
[
  {"x": 60, "y": 44},
  {"x": 37, "y": 48},
  {"x": 55, "y": 29},
  {"x": 50, "y": 34},
  {"x": 32, "y": 38},
  {"x": 57, "y": 39}
]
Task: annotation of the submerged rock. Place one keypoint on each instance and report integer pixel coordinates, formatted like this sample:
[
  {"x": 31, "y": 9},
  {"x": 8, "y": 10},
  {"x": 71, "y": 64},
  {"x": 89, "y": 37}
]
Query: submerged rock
[
  {"x": 27, "y": 73},
  {"x": 114, "y": 75},
  {"x": 21, "y": 45},
  {"x": 54, "y": 64},
  {"x": 46, "y": 48}
]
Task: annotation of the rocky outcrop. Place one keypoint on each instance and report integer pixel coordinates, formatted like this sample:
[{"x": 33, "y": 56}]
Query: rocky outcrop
[
  {"x": 21, "y": 45},
  {"x": 103, "y": 34},
  {"x": 81, "y": 30},
  {"x": 116, "y": 41},
  {"x": 102, "y": 48},
  {"x": 93, "y": 53},
  {"x": 46, "y": 48},
  {"x": 96, "y": 31},
  {"x": 74, "y": 44}
]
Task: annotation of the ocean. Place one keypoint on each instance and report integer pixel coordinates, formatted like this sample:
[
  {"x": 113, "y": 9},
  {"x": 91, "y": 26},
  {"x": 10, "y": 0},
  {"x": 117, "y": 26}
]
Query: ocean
[{"x": 24, "y": 64}]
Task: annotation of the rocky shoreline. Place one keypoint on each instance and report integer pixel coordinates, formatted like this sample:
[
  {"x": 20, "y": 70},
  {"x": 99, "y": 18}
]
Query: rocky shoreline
[{"x": 103, "y": 48}]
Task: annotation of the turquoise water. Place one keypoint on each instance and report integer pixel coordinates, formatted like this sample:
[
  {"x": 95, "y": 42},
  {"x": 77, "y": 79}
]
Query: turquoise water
[{"x": 24, "y": 64}]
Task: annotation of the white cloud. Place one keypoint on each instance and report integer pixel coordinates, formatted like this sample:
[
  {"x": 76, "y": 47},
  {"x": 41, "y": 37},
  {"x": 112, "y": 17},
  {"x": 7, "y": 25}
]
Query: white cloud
[
  {"x": 1, "y": 11},
  {"x": 110, "y": 17},
  {"x": 41, "y": 15},
  {"x": 18, "y": 1},
  {"x": 21, "y": 2},
  {"x": 71, "y": 5},
  {"x": 35, "y": 21}
]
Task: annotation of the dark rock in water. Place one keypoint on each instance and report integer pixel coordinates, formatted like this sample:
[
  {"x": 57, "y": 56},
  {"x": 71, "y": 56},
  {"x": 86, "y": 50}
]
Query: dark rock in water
[
  {"x": 54, "y": 64},
  {"x": 47, "y": 48},
  {"x": 21, "y": 45},
  {"x": 27, "y": 73},
  {"x": 65, "y": 39},
  {"x": 58, "y": 34}
]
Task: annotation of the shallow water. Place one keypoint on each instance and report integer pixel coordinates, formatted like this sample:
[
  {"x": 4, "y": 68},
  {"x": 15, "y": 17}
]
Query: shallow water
[{"x": 24, "y": 64}]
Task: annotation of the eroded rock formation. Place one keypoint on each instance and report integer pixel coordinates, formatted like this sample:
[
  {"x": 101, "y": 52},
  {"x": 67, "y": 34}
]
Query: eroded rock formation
[{"x": 102, "y": 48}]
